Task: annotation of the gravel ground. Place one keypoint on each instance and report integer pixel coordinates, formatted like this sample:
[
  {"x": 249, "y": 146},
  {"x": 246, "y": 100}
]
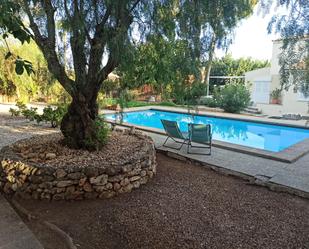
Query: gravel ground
[
  {"x": 13, "y": 129},
  {"x": 119, "y": 148},
  {"x": 184, "y": 206}
]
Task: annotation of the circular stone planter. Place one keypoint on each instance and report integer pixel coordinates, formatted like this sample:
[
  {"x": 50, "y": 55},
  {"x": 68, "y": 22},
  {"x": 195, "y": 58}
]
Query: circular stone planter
[{"x": 29, "y": 171}]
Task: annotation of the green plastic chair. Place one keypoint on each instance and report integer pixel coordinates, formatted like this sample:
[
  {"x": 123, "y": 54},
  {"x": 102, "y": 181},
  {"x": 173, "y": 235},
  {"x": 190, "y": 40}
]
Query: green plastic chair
[
  {"x": 201, "y": 134},
  {"x": 173, "y": 132}
]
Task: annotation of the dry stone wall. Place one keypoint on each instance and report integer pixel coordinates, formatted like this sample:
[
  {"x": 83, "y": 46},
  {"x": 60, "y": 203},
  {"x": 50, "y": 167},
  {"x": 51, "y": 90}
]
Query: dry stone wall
[{"x": 39, "y": 181}]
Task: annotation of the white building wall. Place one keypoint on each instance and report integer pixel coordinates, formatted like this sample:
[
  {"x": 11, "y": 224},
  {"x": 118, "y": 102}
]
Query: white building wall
[
  {"x": 291, "y": 103},
  {"x": 275, "y": 67}
]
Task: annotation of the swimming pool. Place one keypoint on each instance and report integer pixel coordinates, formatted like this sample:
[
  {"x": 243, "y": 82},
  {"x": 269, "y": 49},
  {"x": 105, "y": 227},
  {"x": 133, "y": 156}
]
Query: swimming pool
[{"x": 263, "y": 136}]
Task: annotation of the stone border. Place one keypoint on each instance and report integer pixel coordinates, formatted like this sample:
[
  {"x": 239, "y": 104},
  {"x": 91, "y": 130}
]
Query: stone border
[
  {"x": 259, "y": 180},
  {"x": 35, "y": 181},
  {"x": 288, "y": 155}
]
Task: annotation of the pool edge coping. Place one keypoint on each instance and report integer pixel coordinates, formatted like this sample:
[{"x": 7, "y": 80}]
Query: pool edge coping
[
  {"x": 211, "y": 114},
  {"x": 288, "y": 155},
  {"x": 253, "y": 179}
]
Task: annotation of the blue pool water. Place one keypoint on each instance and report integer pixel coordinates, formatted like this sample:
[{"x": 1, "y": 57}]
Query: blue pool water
[{"x": 257, "y": 135}]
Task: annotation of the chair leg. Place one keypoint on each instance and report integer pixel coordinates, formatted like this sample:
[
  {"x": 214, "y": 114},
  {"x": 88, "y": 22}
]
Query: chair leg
[
  {"x": 201, "y": 147},
  {"x": 182, "y": 143},
  {"x": 165, "y": 141}
]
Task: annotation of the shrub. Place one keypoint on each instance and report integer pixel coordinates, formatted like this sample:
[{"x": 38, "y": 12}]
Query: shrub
[
  {"x": 14, "y": 112},
  {"x": 193, "y": 93},
  {"x": 167, "y": 103},
  {"x": 50, "y": 114},
  {"x": 30, "y": 114},
  {"x": 54, "y": 116},
  {"x": 102, "y": 131},
  {"x": 208, "y": 101},
  {"x": 21, "y": 105},
  {"x": 104, "y": 102},
  {"x": 233, "y": 97}
]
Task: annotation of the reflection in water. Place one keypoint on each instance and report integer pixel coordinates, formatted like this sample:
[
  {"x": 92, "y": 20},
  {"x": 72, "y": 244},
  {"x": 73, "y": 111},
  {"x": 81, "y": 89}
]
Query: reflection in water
[{"x": 257, "y": 135}]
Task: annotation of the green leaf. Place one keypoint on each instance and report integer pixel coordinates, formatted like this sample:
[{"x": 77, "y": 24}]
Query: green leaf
[
  {"x": 8, "y": 55},
  {"x": 19, "y": 67}
]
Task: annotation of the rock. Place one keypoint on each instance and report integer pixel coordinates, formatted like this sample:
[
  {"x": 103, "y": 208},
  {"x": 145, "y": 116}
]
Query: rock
[
  {"x": 127, "y": 168},
  {"x": 134, "y": 178},
  {"x": 75, "y": 176},
  {"x": 70, "y": 190},
  {"x": 23, "y": 177},
  {"x": 116, "y": 178},
  {"x": 45, "y": 196},
  {"x": 125, "y": 182},
  {"x": 77, "y": 195},
  {"x": 36, "y": 179},
  {"x": 143, "y": 173},
  {"x": 134, "y": 172},
  {"x": 60, "y": 190},
  {"x": 109, "y": 185},
  {"x": 7, "y": 188},
  {"x": 116, "y": 186},
  {"x": 100, "y": 189},
  {"x": 91, "y": 195},
  {"x": 46, "y": 185},
  {"x": 29, "y": 155},
  {"x": 107, "y": 194},
  {"x": 87, "y": 187},
  {"x": 50, "y": 156},
  {"x": 144, "y": 180},
  {"x": 136, "y": 184},
  {"x": 99, "y": 180},
  {"x": 150, "y": 174},
  {"x": 91, "y": 172},
  {"x": 47, "y": 178},
  {"x": 128, "y": 188},
  {"x": 82, "y": 181},
  {"x": 58, "y": 197},
  {"x": 60, "y": 173},
  {"x": 33, "y": 186},
  {"x": 112, "y": 170},
  {"x": 11, "y": 178},
  {"x": 63, "y": 184}
]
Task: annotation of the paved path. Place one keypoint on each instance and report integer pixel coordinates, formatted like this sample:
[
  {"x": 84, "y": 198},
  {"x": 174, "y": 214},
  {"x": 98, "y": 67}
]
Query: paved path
[
  {"x": 288, "y": 177},
  {"x": 14, "y": 234}
]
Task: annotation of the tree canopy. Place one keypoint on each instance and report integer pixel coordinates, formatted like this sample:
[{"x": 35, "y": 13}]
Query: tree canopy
[
  {"x": 92, "y": 38},
  {"x": 293, "y": 27}
]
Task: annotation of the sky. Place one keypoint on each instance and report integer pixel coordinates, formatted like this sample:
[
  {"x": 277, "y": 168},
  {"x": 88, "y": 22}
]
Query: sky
[{"x": 251, "y": 38}]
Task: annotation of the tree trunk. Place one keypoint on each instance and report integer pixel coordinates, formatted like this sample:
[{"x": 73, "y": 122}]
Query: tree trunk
[
  {"x": 209, "y": 62},
  {"x": 78, "y": 124}
]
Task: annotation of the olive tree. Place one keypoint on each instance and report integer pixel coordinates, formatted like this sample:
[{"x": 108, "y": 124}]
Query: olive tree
[
  {"x": 98, "y": 36},
  {"x": 98, "y": 33}
]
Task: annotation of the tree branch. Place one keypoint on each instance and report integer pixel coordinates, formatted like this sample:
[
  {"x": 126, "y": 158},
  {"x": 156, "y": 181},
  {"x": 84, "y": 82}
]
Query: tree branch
[
  {"x": 134, "y": 5},
  {"x": 48, "y": 49},
  {"x": 97, "y": 46},
  {"x": 77, "y": 41}
]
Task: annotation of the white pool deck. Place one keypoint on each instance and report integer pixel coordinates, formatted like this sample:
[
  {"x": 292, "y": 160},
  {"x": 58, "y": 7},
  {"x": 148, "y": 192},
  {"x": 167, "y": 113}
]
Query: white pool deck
[{"x": 280, "y": 176}]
